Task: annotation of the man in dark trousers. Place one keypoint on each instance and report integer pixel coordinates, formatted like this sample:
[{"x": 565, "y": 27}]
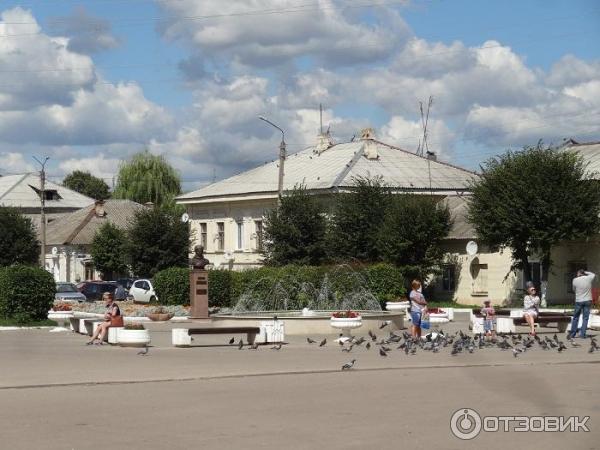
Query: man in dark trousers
[{"x": 582, "y": 286}]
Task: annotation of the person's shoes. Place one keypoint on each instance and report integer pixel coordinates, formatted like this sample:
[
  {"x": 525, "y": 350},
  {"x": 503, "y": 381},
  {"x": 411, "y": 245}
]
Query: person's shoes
[
  {"x": 90, "y": 343},
  {"x": 99, "y": 343}
]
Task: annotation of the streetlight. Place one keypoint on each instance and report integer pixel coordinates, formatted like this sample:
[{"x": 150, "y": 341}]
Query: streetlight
[
  {"x": 42, "y": 209},
  {"x": 281, "y": 155}
]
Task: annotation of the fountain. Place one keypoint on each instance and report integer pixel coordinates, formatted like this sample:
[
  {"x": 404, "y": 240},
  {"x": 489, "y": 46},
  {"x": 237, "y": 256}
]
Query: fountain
[{"x": 305, "y": 308}]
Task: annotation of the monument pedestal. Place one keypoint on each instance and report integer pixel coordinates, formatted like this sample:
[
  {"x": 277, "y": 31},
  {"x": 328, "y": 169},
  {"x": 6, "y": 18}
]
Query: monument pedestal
[{"x": 199, "y": 294}]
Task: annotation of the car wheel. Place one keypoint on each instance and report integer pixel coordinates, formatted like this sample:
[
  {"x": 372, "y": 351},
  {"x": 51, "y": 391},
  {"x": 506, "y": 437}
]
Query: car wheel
[{"x": 153, "y": 299}]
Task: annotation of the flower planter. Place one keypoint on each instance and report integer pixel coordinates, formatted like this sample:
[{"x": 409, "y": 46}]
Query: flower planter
[
  {"x": 345, "y": 324},
  {"x": 133, "y": 338},
  {"x": 60, "y": 317},
  {"x": 397, "y": 306},
  {"x": 439, "y": 318},
  {"x": 159, "y": 317}
]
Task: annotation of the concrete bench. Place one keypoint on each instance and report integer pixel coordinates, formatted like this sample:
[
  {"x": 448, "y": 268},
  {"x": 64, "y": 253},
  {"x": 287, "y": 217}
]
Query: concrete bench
[
  {"x": 509, "y": 324},
  {"x": 182, "y": 337}
]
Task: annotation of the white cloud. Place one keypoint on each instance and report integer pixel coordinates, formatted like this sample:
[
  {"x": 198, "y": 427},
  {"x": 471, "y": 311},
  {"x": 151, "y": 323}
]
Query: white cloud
[
  {"x": 261, "y": 33},
  {"x": 87, "y": 34},
  {"x": 99, "y": 165},
  {"x": 12, "y": 163}
]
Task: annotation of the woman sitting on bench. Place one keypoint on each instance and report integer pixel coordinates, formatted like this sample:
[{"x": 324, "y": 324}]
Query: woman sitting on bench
[
  {"x": 531, "y": 304},
  {"x": 112, "y": 318}
]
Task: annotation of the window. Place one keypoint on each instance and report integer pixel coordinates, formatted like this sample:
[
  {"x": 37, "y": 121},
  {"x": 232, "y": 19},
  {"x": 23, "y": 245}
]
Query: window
[
  {"x": 572, "y": 268},
  {"x": 536, "y": 274},
  {"x": 448, "y": 277},
  {"x": 220, "y": 236},
  {"x": 49, "y": 194},
  {"x": 240, "y": 235},
  {"x": 479, "y": 274},
  {"x": 203, "y": 235},
  {"x": 259, "y": 234}
]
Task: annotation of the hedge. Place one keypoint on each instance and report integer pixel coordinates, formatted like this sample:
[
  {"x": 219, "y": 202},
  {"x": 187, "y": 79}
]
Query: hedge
[
  {"x": 26, "y": 293},
  {"x": 293, "y": 285},
  {"x": 172, "y": 286}
]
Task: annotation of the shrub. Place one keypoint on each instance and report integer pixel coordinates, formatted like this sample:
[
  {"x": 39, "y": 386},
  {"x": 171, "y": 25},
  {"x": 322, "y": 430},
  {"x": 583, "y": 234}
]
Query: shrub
[
  {"x": 386, "y": 282},
  {"x": 26, "y": 293},
  {"x": 19, "y": 243},
  {"x": 219, "y": 288},
  {"x": 172, "y": 286}
]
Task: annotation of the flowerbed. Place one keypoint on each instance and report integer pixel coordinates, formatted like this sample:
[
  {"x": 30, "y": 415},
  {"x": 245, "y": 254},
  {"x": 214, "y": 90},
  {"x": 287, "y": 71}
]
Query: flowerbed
[
  {"x": 130, "y": 309},
  {"x": 345, "y": 315}
]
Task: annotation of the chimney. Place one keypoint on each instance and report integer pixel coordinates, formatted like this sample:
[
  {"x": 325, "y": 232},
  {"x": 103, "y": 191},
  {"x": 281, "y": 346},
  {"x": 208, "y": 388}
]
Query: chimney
[
  {"x": 99, "y": 208},
  {"x": 369, "y": 145},
  {"x": 432, "y": 156}
]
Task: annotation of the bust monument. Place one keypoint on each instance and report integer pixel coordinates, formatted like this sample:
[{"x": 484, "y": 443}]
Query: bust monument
[{"x": 199, "y": 261}]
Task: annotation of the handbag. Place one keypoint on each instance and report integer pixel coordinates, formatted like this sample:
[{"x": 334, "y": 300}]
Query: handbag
[
  {"x": 117, "y": 321},
  {"x": 425, "y": 324}
]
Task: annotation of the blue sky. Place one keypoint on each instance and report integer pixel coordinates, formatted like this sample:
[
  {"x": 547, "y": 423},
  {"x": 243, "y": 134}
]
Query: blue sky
[{"x": 134, "y": 74}]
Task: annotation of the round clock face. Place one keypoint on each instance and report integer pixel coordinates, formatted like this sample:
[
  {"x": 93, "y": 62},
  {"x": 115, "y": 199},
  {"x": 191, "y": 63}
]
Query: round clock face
[{"x": 472, "y": 248}]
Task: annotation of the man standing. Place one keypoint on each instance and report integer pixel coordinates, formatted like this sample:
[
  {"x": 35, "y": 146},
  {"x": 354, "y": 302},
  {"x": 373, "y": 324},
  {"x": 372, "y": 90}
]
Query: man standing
[{"x": 582, "y": 286}]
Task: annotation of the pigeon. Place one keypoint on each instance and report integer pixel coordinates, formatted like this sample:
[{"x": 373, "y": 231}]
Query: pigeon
[
  {"x": 382, "y": 352},
  {"x": 561, "y": 347},
  {"x": 368, "y": 346},
  {"x": 348, "y": 365},
  {"x": 516, "y": 351},
  {"x": 373, "y": 336},
  {"x": 143, "y": 352},
  {"x": 277, "y": 347},
  {"x": 348, "y": 349},
  {"x": 310, "y": 341},
  {"x": 323, "y": 342},
  {"x": 231, "y": 341},
  {"x": 359, "y": 341},
  {"x": 240, "y": 345},
  {"x": 574, "y": 344},
  {"x": 386, "y": 349},
  {"x": 384, "y": 324}
]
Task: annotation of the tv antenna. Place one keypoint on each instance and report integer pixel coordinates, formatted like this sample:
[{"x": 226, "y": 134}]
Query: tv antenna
[{"x": 424, "y": 122}]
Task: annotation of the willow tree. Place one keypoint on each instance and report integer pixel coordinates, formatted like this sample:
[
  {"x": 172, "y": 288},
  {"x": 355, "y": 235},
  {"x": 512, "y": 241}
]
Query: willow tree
[
  {"x": 531, "y": 200},
  {"x": 147, "y": 178}
]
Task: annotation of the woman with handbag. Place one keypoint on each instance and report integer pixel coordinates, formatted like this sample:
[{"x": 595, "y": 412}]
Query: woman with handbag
[
  {"x": 418, "y": 308},
  {"x": 112, "y": 318}
]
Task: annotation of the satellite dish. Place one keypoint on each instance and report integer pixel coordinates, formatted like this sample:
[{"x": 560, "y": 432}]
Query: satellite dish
[
  {"x": 472, "y": 248},
  {"x": 54, "y": 251},
  {"x": 185, "y": 217}
]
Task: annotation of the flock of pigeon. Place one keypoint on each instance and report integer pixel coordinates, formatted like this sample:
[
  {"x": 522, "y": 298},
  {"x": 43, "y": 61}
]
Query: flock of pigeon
[{"x": 458, "y": 343}]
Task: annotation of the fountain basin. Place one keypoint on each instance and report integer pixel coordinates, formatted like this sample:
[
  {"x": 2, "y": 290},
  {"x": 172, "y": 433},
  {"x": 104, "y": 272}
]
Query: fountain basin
[{"x": 298, "y": 324}]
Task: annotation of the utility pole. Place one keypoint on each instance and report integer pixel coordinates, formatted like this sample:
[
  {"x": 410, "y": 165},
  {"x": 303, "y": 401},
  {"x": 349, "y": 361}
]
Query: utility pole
[
  {"x": 281, "y": 157},
  {"x": 42, "y": 211}
]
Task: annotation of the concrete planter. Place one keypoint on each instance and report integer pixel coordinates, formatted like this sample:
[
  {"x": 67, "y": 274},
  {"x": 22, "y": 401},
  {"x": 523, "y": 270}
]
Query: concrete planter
[
  {"x": 180, "y": 337},
  {"x": 133, "y": 338},
  {"x": 397, "y": 306},
  {"x": 60, "y": 317},
  {"x": 345, "y": 324}
]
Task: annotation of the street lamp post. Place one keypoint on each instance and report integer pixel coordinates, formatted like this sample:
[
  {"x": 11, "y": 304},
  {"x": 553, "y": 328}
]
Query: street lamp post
[{"x": 281, "y": 156}]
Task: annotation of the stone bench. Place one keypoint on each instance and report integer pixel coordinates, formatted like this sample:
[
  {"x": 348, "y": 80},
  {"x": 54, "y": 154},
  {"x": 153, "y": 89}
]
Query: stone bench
[{"x": 182, "y": 337}]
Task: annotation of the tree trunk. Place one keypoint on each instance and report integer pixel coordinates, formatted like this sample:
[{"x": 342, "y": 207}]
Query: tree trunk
[{"x": 545, "y": 271}]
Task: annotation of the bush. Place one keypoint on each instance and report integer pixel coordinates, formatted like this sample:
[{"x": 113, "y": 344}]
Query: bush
[
  {"x": 19, "y": 243},
  {"x": 386, "y": 282},
  {"x": 172, "y": 286},
  {"x": 219, "y": 288},
  {"x": 26, "y": 293}
]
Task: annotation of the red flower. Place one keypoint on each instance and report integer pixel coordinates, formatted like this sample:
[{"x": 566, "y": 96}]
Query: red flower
[{"x": 345, "y": 315}]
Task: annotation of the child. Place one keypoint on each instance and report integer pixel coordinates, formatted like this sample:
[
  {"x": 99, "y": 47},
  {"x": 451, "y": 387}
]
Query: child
[{"x": 489, "y": 315}]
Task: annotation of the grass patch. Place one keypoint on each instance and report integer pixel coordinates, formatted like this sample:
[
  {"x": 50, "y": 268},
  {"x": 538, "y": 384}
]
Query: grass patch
[{"x": 35, "y": 323}]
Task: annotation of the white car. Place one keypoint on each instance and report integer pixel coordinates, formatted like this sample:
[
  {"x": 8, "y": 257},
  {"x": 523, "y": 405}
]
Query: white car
[{"x": 142, "y": 291}]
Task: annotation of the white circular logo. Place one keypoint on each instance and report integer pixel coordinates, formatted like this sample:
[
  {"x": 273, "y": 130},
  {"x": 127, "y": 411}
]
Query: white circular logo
[{"x": 465, "y": 424}]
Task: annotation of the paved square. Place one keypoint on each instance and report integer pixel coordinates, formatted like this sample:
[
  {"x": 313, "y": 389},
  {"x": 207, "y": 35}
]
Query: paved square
[{"x": 56, "y": 393}]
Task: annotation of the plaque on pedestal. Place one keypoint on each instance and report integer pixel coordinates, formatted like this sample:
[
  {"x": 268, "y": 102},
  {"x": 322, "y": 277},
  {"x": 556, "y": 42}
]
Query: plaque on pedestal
[{"x": 199, "y": 294}]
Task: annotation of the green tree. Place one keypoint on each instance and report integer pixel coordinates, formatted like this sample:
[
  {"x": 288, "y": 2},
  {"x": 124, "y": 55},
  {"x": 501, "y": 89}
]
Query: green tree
[
  {"x": 109, "y": 250},
  {"x": 157, "y": 240},
  {"x": 357, "y": 215},
  {"x": 411, "y": 234},
  {"x": 19, "y": 243},
  {"x": 531, "y": 200},
  {"x": 147, "y": 178},
  {"x": 87, "y": 184},
  {"x": 295, "y": 231}
]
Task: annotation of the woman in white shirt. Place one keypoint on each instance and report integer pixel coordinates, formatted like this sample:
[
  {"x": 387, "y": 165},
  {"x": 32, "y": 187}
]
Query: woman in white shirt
[{"x": 531, "y": 303}]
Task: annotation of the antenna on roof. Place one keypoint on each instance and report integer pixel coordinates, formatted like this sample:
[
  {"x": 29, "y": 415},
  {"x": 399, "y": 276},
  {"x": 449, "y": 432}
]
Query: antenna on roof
[
  {"x": 320, "y": 118},
  {"x": 424, "y": 122}
]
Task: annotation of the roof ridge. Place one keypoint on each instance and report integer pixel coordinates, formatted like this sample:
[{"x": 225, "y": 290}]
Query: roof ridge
[
  {"x": 83, "y": 223},
  {"x": 432, "y": 160}
]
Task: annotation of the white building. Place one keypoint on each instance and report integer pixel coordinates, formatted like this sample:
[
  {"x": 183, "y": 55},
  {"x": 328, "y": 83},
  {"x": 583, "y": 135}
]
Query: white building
[{"x": 226, "y": 217}]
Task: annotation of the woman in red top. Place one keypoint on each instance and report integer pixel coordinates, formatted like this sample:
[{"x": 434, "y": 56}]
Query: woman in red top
[{"x": 112, "y": 318}]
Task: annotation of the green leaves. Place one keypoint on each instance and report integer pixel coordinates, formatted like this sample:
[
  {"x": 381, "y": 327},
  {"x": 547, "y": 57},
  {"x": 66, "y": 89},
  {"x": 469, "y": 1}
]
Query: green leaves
[
  {"x": 172, "y": 286},
  {"x": 148, "y": 178},
  {"x": 295, "y": 231},
  {"x": 87, "y": 184},
  {"x": 19, "y": 243},
  {"x": 26, "y": 293},
  {"x": 532, "y": 200},
  {"x": 109, "y": 250}
]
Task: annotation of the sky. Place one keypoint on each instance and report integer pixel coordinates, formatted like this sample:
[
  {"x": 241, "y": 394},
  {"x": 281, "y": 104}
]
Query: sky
[{"x": 90, "y": 83}]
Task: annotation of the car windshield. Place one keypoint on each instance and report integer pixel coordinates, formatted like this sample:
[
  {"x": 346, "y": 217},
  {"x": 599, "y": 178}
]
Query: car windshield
[{"x": 65, "y": 288}]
